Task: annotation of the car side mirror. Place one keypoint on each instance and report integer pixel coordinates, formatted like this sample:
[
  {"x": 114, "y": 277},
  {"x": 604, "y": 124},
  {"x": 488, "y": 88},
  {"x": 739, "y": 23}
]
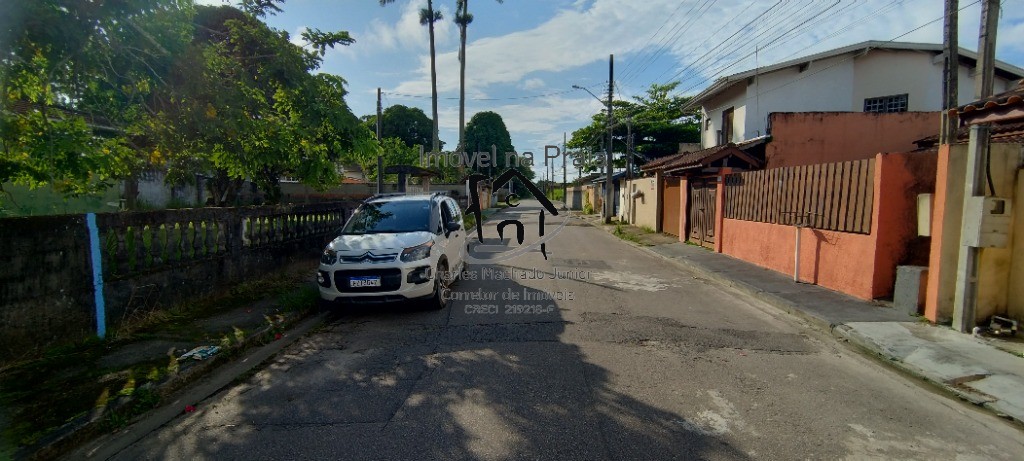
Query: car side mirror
[{"x": 453, "y": 226}]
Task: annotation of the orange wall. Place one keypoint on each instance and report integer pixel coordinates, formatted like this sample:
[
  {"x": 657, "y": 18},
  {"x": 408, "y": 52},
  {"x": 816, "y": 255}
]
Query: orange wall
[
  {"x": 836, "y": 260},
  {"x": 899, "y": 178},
  {"x": 808, "y": 138},
  {"x": 860, "y": 265}
]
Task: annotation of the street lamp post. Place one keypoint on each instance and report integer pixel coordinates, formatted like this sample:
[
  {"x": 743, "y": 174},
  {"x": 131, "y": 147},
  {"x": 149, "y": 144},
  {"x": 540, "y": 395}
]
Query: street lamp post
[{"x": 607, "y": 209}]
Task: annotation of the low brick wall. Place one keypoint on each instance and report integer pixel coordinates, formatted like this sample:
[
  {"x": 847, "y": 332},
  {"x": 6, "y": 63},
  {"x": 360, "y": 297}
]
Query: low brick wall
[{"x": 150, "y": 260}]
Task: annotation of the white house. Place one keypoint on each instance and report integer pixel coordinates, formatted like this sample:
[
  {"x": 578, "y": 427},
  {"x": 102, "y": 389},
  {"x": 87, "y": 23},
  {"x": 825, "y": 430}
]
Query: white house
[{"x": 865, "y": 77}]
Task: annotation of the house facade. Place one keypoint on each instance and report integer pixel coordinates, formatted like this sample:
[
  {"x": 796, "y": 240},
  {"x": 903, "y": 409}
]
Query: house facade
[{"x": 871, "y": 76}]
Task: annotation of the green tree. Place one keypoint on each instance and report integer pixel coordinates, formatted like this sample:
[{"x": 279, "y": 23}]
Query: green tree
[
  {"x": 658, "y": 124},
  {"x": 94, "y": 92},
  {"x": 487, "y": 129},
  {"x": 76, "y": 80},
  {"x": 409, "y": 124},
  {"x": 245, "y": 105}
]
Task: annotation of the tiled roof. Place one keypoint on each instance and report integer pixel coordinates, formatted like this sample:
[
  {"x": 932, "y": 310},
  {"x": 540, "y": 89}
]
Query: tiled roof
[
  {"x": 695, "y": 158},
  {"x": 1000, "y": 133},
  {"x": 683, "y": 159},
  {"x": 1014, "y": 96}
]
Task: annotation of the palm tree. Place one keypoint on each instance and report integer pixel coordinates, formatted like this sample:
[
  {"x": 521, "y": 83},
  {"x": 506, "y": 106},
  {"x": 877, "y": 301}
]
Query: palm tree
[
  {"x": 428, "y": 17},
  {"x": 463, "y": 18}
]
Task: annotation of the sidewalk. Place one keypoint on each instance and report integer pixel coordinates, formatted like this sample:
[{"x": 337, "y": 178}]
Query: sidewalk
[{"x": 974, "y": 369}]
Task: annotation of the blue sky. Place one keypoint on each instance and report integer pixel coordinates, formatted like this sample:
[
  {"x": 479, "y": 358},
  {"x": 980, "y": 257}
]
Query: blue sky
[{"x": 525, "y": 55}]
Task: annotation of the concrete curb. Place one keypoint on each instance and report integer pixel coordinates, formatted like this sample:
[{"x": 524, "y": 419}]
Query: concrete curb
[
  {"x": 868, "y": 347},
  {"x": 111, "y": 444}
]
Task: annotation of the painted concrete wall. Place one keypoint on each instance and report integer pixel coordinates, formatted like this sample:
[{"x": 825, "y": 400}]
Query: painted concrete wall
[
  {"x": 999, "y": 268},
  {"x": 860, "y": 265},
  {"x": 574, "y": 198},
  {"x": 1015, "y": 284},
  {"x": 808, "y": 138},
  {"x": 836, "y": 260},
  {"x": 643, "y": 210},
  {"x": 899, "y": 179},
  {"x": 892, "y": 72},
  {"x": 734, "y": 97},
  {"x": 825, "y": 86},
  {"x": 837, "y": 84},
  {"x": 949, "y": 189}
]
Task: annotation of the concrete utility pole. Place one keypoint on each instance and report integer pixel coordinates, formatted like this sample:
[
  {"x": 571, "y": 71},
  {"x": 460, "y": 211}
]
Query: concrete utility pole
[
  {"x": 609, "y": 193},
  {"x": 966, "y": 297},
  {"x": 380, "y": 158},
  {"x": 950, "y": 75},
  {"x": 565, "y": 155}
]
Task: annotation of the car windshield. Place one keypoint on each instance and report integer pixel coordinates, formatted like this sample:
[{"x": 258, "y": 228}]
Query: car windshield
[{"x": 389, "y": 217}]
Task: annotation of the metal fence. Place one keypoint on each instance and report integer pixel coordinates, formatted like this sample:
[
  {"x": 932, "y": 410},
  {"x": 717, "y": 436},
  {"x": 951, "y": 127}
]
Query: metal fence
[{"x": 831, "y": 196}]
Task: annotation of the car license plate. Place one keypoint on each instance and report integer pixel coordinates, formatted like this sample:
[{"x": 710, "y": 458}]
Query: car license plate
[{"x": 359, "y": 282}]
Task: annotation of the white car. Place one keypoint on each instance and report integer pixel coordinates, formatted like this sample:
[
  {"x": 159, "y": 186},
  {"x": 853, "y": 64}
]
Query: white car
[{"x": 395, "y": 247}]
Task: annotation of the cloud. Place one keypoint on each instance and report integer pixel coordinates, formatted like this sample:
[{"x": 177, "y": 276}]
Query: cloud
[
  {"x": 532, "y": 84},
  {"x": 296, "y": 37},
  {"x": 657, "y": 41},
  {"x": 407, "y": 33},
  {"x": 693, "y": 50}
]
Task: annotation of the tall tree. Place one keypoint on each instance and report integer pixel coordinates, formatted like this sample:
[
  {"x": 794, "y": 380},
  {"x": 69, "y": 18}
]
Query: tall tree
[
  {"x": 658, "y": 124},
  {"x": 409, "y": 124},
  {"x": 487, "y": 129},
  {"x": 75, "y": 85},
  {"x": 428, "y": 16},
  {"x": 463, "y": 18}
]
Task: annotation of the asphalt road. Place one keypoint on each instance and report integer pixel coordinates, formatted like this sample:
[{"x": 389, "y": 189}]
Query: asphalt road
[{"x": 634, "y": 359}]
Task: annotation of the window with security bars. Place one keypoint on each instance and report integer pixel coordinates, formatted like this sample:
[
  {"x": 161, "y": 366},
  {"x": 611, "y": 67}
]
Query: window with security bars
[{"x": 894, "y": 103}]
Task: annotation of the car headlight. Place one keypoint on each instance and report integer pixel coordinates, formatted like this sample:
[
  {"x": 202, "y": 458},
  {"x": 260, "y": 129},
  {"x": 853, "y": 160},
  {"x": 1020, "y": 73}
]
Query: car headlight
[
  {"x": 329, "y": 257},
  {"x": 417, "y": 252}
]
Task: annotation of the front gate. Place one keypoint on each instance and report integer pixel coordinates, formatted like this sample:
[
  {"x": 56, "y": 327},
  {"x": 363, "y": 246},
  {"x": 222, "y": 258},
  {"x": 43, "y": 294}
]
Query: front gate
[
  {"x": 670, "y": 206},
  {"x": 701, "y": 211}
]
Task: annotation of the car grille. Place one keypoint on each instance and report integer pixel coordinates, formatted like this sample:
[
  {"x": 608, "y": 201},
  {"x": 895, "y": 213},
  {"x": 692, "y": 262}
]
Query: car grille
[
  {"x": 369, "y": 257},
  {"x": 390, "y": 280}
]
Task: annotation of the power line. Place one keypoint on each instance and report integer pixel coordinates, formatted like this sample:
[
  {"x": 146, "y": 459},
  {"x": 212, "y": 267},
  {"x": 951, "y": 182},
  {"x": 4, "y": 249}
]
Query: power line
[
  {"x": 709, "y": 37},
  {"x": 509, "y": 98},
  {"x": 631, "y": 64},
  {"x": 706, "y": 54},
  {"x": 852, "y": 56},
  {"x": 720, "y": 69},
  {"x": 676, "y": 34}
]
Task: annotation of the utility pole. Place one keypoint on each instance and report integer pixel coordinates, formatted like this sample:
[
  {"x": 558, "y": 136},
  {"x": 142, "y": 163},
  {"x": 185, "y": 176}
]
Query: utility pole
[
  {"x": 629, "y": 167},
  {"x": 950, "y": 75},
  {"x": 609, "y": 204},
  {"x": 966, "y": 297},
  {"x": 380, "y": 158},
  {"x": 565, "y": 155}
]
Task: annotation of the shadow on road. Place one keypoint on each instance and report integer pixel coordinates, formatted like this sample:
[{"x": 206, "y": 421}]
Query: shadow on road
[{"x": 389, "y": 382}]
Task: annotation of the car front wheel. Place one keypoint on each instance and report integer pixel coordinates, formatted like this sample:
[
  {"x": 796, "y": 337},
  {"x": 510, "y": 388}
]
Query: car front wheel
[{"x": 442, "y": 282}]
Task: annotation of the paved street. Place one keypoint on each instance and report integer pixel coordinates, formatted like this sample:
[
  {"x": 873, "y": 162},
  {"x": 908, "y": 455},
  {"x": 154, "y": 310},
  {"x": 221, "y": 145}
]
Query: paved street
[{"x": 637, "y": 360}]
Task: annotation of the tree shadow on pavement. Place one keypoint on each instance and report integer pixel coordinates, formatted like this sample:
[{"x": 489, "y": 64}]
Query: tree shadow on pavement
[{"x": 395, "y": 382}]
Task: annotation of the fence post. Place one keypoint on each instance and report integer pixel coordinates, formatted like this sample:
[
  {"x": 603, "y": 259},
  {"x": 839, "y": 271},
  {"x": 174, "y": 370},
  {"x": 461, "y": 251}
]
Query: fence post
[
  {"x": 97, "y": 274},
  {"x": 720, "y": 208},
  {"x": 234, "y": 232}
]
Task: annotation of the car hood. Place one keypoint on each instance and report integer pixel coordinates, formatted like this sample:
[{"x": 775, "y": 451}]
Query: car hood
[{"x": 347, "y": 244}]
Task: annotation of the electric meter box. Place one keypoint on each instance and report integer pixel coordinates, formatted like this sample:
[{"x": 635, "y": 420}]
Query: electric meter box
[{"x": 986, "y": 222}]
